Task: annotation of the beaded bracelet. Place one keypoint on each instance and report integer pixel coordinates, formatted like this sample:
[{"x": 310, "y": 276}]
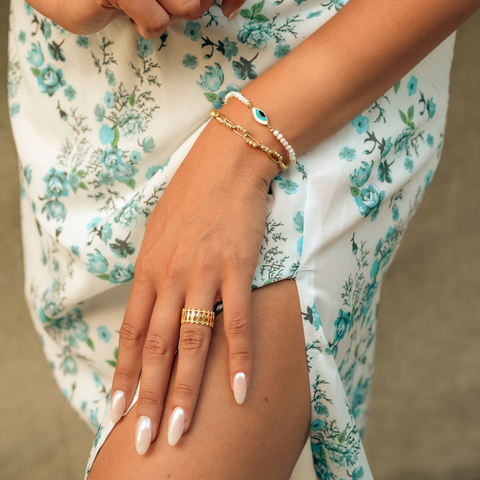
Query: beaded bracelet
[
  {"x": 261, "y": 117},
  {"x": 242, "y": 132}
]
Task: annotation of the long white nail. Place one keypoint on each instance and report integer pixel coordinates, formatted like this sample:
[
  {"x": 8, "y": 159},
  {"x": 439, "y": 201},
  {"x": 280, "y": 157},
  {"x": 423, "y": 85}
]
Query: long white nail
[
  {"x": 240, "y": 387},
  {"x": 117, "y": 406},
  {"x": 176, "y": 425},
  {"x": 143, "y": 434},
  {"x": 234, "y": 14}
]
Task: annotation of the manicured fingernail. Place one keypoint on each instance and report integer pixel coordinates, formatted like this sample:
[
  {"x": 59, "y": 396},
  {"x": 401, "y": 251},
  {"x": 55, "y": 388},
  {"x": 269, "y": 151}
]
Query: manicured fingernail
[
  {"x": 117, "y": 406},
  {"x": 143, "y": 434},
  {"x": 176, "y": 425},
  {"x": 234, "y": 14},
  {"x": 240, "y": 387}
]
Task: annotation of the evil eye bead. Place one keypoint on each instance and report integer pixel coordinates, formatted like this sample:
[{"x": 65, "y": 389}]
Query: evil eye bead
[{"x": 260, "y": 116}]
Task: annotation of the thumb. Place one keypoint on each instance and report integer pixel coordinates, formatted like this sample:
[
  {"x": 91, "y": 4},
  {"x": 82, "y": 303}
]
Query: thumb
[{"x": 231, "y": 8}]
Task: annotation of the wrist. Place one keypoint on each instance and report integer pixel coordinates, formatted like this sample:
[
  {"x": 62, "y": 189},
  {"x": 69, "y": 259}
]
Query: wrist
[
  {"x": 248, "y": 161},
  {"x": 244, "y": 115}
]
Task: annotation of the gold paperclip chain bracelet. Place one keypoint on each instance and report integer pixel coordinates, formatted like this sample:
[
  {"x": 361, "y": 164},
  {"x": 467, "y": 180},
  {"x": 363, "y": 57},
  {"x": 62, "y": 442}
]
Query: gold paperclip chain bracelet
[{"x": 242, "y": 132}]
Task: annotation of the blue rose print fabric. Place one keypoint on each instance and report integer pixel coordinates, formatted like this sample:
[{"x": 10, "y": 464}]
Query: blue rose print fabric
[{"x": 101, "y": 124}]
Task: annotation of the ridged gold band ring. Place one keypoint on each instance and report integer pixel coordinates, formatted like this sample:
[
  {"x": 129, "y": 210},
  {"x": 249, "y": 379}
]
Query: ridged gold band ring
[{"x": 199, "y": 317}]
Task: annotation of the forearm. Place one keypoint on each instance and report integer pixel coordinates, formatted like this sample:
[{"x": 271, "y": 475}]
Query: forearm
[{"x": 345, "y": 66}]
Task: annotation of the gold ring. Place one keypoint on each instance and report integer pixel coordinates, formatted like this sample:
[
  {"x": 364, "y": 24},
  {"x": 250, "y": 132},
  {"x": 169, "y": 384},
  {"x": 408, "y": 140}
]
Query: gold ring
[{"x": 199, "y": 317}]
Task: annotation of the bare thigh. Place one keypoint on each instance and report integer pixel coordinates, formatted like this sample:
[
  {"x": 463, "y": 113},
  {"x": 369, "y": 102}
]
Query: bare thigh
[{"x": 260, "y": 439}]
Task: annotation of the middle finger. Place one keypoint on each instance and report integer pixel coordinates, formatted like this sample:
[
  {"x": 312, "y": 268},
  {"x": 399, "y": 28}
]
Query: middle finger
[
  {"x": 147, "y": 16},
  {"x": 157, "y": 358}
]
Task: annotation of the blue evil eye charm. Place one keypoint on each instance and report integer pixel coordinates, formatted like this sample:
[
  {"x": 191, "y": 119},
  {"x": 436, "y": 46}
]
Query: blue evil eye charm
[{"x": 260, "y": 116}]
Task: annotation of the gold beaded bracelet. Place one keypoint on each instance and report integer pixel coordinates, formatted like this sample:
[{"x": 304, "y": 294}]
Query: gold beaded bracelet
[{"x": 242, "y": 132}]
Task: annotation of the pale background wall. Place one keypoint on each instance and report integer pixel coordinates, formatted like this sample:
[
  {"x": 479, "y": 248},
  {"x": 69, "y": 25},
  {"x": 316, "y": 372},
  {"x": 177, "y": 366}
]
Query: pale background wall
[{"x": 424, "y": 418}]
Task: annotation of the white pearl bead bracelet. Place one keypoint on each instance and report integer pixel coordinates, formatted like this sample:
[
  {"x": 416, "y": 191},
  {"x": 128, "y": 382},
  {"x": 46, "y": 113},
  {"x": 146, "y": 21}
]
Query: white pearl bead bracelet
[{"x": 261, "y": 117}]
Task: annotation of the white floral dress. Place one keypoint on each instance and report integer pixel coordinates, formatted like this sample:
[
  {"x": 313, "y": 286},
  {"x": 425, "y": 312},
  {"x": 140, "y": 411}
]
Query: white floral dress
[{"x": 102, "y": 122}]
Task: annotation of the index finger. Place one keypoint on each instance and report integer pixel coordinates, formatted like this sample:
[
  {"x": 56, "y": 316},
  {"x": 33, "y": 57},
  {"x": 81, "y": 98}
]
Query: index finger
[
  {"x": 132, "y": 337},
  {"x": 148, "y": 17},
  {"x": 186, "y": 9}
]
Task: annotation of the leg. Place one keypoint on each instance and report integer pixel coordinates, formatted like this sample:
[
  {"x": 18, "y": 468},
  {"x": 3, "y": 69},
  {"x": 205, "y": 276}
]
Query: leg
[{"x": 261, "y": 438}]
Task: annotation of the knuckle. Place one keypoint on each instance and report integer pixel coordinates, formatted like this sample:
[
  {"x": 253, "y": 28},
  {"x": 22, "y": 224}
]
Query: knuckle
[
  {"x": 155, "y": 346},
  {"x": 184, "y": 390},
  {"x": 187, "y": 8},
  {"x": 172, "y": 272},
  {"x": 157, "y": 24},
  {"x": 200, "y": 270},
  {"x": 237, "y": 325},
  {"x": 238, "y": 263},
  {"x": 240, "y": 357},
  {"x": 192, "y": 338},
  {"x": 143, "y": 268},
  {"x": 123, "y": 374},
  {"x": 102, "y": 4},
  {"x": 149, "y": 398},
  {"x": 202, "y": 263},
  {"x": 130, "y": 336}
]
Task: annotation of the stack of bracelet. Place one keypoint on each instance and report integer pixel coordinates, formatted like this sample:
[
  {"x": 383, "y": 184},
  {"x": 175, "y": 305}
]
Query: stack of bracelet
[
  {"x": 261, "y": 118},
  {"x": 242, "y": 132}
]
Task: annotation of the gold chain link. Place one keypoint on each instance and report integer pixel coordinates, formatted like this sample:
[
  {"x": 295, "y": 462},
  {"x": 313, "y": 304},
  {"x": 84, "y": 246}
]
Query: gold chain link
[{"x": 242, "y": 132}]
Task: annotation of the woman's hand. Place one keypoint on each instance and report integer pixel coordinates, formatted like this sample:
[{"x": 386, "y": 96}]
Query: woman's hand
[
  {"x": 149, "y": 17},
  {"x": 202, "y": 243}
]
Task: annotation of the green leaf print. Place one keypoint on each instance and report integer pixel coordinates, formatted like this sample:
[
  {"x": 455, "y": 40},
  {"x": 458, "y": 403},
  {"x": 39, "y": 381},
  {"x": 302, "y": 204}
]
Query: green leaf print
[
  {"x": 341, "y": 437},
  {"x": 407, "y": 119},
  {"x": 82, "y": 185},
  {"x": 36, "y": 71},
  {"x": 396, "y": 87},
  {"x": 103, "y": 276},
  {"x": 245, "y": 13},
  {"x": 211, "y": 97},
  {"x": 48, "y": 318},
  {"x": 131, "y": 183},
  {"x": 260, "y": 19},
  {"x": 113, "y": 363},
  {"x": 131, "y": 100},
  {"x": 255, "y": 14},
  {"x": 90, "y": 343},
  {"x": 81, "y": 173},
  {"x": 410, "y": 114},
  {"x": 321, "y": 454},
  {"x": 257, "y": 8},
  {"x": 116, "y": 137},
  {"x": 99, "y": 112},
  {"x": 355, "y": 191}
]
